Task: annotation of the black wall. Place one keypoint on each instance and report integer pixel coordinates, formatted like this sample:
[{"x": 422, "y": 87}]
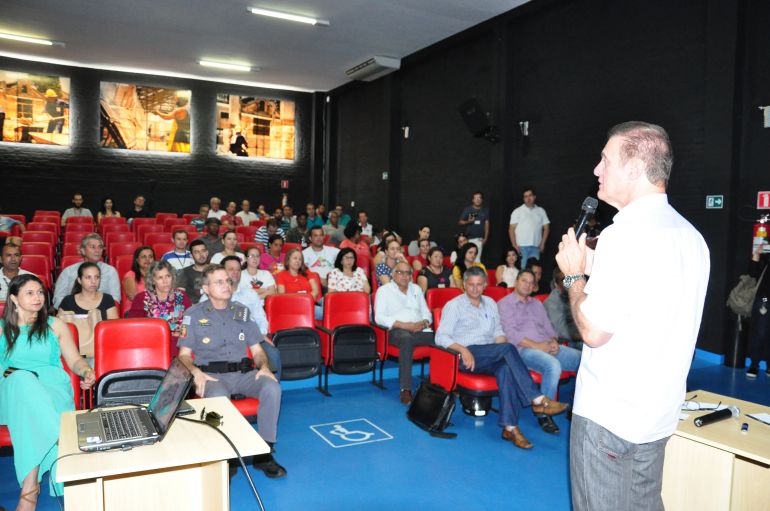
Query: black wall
[
  {"x": 45, "y": 177},
  {"x": 572, "y": 69}
]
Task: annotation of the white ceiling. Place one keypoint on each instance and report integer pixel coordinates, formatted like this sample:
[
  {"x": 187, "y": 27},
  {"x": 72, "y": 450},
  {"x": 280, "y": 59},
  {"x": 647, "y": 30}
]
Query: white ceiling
[{"x": 168, "y": 37}]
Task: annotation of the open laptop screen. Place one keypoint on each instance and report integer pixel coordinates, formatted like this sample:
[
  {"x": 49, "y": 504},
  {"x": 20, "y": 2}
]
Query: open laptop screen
[{"x": 170, "y": 393}]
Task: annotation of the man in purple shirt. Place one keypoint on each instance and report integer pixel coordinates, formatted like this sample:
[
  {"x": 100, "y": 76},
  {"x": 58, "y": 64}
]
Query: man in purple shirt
[{"x": 526, "y": 326}]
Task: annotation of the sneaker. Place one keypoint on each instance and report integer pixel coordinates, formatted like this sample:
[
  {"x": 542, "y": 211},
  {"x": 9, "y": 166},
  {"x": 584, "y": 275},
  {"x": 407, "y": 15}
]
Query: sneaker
[
  {"x": 267, "y": 464},
  {"x": 752, "y": 372}
]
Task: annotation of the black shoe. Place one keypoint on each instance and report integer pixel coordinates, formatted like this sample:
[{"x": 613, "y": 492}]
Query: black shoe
[
  {"x": 267, "y": 464},
  {"x": 752, "y": 372},
  {"x": 547, "y": 423}
]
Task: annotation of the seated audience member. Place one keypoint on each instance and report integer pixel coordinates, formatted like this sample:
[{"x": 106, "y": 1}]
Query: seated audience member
[
  {"x": 382, "y": 247},
  {"x": 333, "y": 229},
  {"x": 244, "y": 296},
  {"x": 400, "y": 308},
  {"x": 77, "y": 210},
  {"x": 212, "y": 239},
  {"x": 470, "y": 325},
  {"x": 283, "y": 223},
  {"x": 318, "y": 257},
  {"x": 526, "y": 326},
  {"x": 11, "y": 258},
  {"x": 230, "y": 219},
  {"x": 189, "y": 278},
  {"x": 214, "y": 212},
  {"x": 353, "y": 240},
  {"x": 273, "y": 259},
  {"x": 179, "y": 258},
  {"x": 162, "y": 299},
  {"x": 320, "y": 210},
  {"x": 559, "y": 313},
  {"x": 107, "y": 210},
  {"x": 38, "y": 391},
  {"x": 134, "y": 280},
  {"x": 344, "y": 218},
  {"x": 245, "y": 214},
  {"x": 466, "y": 258},
  {"x": 393, "y": 256},
  {"x": 422, "y": 234},
  {"x": 460, "y": 240},
  {"x": 296, "y": 279},
  {"x": 86, "y": 296},
  {"x": 507, "y": 272},
  {"x": 254, "y": 279},
  {"x": 139, "y": 211},
  {"x": 268, "y": 230},
  {"x": 92, "y": 250},
  {"x": 346, "y": 275},
  {"x": 212, "y": 347},
  {"x": 7, "y": 223},
  {"x": 435, "y": 274},
  {"x": 366, "y": 228},
  {"x": 261, "y": 212},
  {"x": 420, "y": 261},
  {"x": 230, "y": 242},
  {"x": 313, "y": 220},
  {"x": 300, "y": 232},
  {"x": 535, "y": 266},
  {"x": 200, "y": 221},
  {"x": 290, "y": 217}
]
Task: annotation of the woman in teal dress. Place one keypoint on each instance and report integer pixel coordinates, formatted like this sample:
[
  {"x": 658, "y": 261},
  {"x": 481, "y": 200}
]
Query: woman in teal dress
[{"x": 34, "y": 389}]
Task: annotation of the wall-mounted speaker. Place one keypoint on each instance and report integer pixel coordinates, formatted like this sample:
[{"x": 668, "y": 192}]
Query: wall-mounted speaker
[{"x": 474, "y": 116}]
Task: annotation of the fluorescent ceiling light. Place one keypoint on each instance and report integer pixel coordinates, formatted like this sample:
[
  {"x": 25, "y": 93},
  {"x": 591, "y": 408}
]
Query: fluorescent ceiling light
[
  {"x": 229, "y": 67},
  {"x": 288, "y": 16},
  {"x": 25, "y": 39}
]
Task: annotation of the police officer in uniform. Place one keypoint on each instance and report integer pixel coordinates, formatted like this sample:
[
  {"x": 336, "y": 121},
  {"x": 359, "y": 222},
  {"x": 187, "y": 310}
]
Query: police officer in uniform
[{"x": 218, "y": 332}]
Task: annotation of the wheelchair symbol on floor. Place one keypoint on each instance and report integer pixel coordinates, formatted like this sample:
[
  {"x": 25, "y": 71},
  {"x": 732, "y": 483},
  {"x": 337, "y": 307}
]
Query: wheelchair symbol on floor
[
  {"x": 346, "y": 433},
  {"x": 351, "y": 436}
]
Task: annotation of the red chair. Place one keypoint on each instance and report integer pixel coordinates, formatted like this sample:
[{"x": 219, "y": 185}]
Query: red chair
[
  {"x": 51, "y": 219},
  {"x": 288, "y": 246},
  {"x": 191, "y": 229},
  {"x": 123, "y": 265},
  {"x": 113, "y": 220},
  {"x": 542, "y": 297},
  {"x": 496, "y": 293},
  {"x": 105, "y": 229},
  {"x": 39, "y": 237},
  {"x": 69, "y": 260},
  {"x": 169, "y": 223},
  {"x": 161, "y": 248},
  {"x": 188, "y": 217},
  {"x": 75, "y": 236},
  {"x": 80, "y": 220},
  {"x": 152, "y": 238},
  {"x": 70, "y": 249},
  {"x": 114, "y": 250},
  {"x": 37, "y": 248},
  {"x": 349, "y": 342},
  {"x": 248, "y": 231},
  {"x": 122, "y": 346},
  {"x": 160, "y": 218},
  {"x": 246, "y": 245},
  {"x": 138, "y": 222},
  {"x": 119, "y": 237},
  {"x": 143, "y": 230},
  {"x": 2, "y": 308},
  {"x": 447, "y": 262},
  {"x": 44, "y": 226},
  {"x": 438, "y": 297},
  {"x": 48, "y": 212},
  {"x": 491, "y": 278},
  {"x": 38, "y": 264},
  {"x": 79, "y": 227}
]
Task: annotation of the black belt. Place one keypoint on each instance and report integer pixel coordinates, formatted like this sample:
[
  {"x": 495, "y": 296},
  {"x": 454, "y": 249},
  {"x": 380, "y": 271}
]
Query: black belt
[{"x": 244, "y": 366}]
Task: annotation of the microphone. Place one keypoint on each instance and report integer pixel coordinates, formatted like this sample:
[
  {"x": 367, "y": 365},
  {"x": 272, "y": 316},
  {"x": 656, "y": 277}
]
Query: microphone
[
  {"x": 719, "y": 415},
  {"x": 588, "y": 209}
]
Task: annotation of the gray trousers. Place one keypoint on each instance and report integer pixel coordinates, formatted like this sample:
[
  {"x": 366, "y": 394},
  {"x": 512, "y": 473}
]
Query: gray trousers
[
  {"x": 266, "y": 390},
  {"x": 609, "y": 473},
  {"x": 406, "y": 341}
]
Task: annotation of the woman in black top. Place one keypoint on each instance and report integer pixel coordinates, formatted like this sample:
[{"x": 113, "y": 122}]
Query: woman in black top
[
  {"x": 435, "y": 274},
  {"x": 86, "y": 296},
  {"x": 759, "y": 331}
]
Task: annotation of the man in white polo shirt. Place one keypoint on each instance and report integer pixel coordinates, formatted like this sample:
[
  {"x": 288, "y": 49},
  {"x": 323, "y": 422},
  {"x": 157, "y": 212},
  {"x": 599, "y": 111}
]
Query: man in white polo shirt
[
  {"x": 638, "y": 341},
  {"x": 529, "y": 228}
]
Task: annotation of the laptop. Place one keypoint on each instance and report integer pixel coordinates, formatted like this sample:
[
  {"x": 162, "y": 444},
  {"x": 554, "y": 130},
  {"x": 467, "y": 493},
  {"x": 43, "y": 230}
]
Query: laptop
[{"x": 103, "y": 430}]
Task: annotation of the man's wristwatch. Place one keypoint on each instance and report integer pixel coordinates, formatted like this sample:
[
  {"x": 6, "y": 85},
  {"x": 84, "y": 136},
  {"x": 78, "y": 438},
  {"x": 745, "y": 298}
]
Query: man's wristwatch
[{"x": 571, "y": 279}]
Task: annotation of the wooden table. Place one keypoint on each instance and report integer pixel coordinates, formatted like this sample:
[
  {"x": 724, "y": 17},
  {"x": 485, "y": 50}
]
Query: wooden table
[
  {"x": 716, "y": 467},
  {"x": 187, "y": 470}
]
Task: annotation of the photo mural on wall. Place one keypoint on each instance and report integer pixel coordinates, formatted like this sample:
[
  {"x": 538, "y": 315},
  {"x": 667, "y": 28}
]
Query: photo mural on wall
[
  {"x": 34, "y": 109},
  {"x": 255, "y": 127},
  {"x": 144, "y": 118}
]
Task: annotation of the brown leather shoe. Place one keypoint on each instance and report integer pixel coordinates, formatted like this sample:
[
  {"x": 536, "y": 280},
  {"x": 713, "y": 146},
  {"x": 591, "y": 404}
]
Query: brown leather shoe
[
  {"x": 518, "y": 439},
  {"x": 548, "y": 407},
  {"x": 406, "y": 397}
]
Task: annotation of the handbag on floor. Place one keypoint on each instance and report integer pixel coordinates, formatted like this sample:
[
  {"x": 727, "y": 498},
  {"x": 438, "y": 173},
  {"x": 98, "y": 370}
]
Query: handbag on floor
[
  {"x": 431, "y": 409},
  {"x": 741, "y": 298}
]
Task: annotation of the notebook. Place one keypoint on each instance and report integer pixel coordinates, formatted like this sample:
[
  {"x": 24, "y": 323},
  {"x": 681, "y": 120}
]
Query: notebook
[{"x": 103, "y": 430}]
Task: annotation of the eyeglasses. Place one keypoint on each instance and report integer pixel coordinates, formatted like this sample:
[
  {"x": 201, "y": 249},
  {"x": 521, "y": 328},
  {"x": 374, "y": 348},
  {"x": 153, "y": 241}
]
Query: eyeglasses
[
  {"x": 350, "y": 256},
  {"x": 253, "y": 256},
  {"x": 226, "y": 282},
  {"x": 401, "y": 272}
]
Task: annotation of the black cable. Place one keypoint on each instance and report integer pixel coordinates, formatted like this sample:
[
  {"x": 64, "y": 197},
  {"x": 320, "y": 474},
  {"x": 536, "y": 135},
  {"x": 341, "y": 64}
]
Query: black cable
[
  {"x": 60, "y": 498},
  {"x": 235, "y": 449}
]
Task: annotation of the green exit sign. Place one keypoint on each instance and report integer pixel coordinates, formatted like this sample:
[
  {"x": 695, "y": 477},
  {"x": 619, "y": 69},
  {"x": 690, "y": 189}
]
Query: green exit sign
[{"x": 715, "y": 201}]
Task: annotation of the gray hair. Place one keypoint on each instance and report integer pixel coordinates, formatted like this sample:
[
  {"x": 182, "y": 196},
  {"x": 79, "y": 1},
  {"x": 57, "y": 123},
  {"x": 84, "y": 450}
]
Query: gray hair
[
  {"x": 89, "y": 237},
  {"x": 157, "y": 266},
  {"x": 474, "y": 271},
  {"x": 648, "y": 142}
]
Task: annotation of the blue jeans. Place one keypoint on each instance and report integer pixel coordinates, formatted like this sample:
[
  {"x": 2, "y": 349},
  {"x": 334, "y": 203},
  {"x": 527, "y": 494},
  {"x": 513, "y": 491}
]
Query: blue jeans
[
  {"x": 515, "y": 386},
  {"x": 551, "y": 366},
  {"x": 527, "y": 252},
  {"x": 609, "y": 473}
]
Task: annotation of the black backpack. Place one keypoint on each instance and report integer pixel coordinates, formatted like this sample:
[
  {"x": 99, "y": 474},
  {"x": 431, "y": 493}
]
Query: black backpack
[{"x": 431, "y": 409}]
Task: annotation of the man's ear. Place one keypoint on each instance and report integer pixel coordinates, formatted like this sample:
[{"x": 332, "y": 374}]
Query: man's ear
[{"x": 635, "y": 169}]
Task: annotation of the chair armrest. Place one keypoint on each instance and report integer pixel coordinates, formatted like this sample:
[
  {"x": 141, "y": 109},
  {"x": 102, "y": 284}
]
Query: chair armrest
[
  {"x": 444, "y": 364},
  {"x": 382, "y": 340}
]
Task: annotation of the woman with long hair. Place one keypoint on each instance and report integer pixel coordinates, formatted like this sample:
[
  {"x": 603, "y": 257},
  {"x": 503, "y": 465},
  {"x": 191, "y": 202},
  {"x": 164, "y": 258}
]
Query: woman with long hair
[
  {"x": 107, "y": 210},
  {"x": 393, "y": 256},
  {"x": 273, "y": 259},
  {"x": 507, "y": 272},
  {"x": 260, "y": 281},
  {"x": 466, "y": 258},
  {"x": 134, "y": 279},
  {"x": 86, "y": 296},
  {"x": 296, "y": 278},
  {"x": 230, "y": 243},
  {"x": 34, "y": 389}
]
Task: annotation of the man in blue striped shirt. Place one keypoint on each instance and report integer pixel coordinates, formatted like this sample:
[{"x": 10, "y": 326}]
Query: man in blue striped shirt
[{"x": 470, "y": 325}]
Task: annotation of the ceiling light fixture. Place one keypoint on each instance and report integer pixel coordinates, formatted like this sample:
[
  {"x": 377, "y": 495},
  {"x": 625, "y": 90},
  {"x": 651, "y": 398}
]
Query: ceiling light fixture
[
  {"x": 287, "y": 16},
  {"x": 229, "y": 67},
  {"x": 33, "y": 40}
]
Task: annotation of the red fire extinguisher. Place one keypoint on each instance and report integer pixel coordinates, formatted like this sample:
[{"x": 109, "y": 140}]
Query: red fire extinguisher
[{"x": 761, "y": 229}]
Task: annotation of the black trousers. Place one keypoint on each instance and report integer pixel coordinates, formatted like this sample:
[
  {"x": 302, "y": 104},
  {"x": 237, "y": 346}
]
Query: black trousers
[{"x": 759, "y": 331}]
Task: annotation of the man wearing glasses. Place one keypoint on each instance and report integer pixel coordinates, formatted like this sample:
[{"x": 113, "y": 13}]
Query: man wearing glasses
[{"x": 217, "y": 333}]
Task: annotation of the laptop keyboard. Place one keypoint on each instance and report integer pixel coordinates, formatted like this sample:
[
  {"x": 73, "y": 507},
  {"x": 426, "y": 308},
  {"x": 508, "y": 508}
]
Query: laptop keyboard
[{"x": 122, "y": 425}]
